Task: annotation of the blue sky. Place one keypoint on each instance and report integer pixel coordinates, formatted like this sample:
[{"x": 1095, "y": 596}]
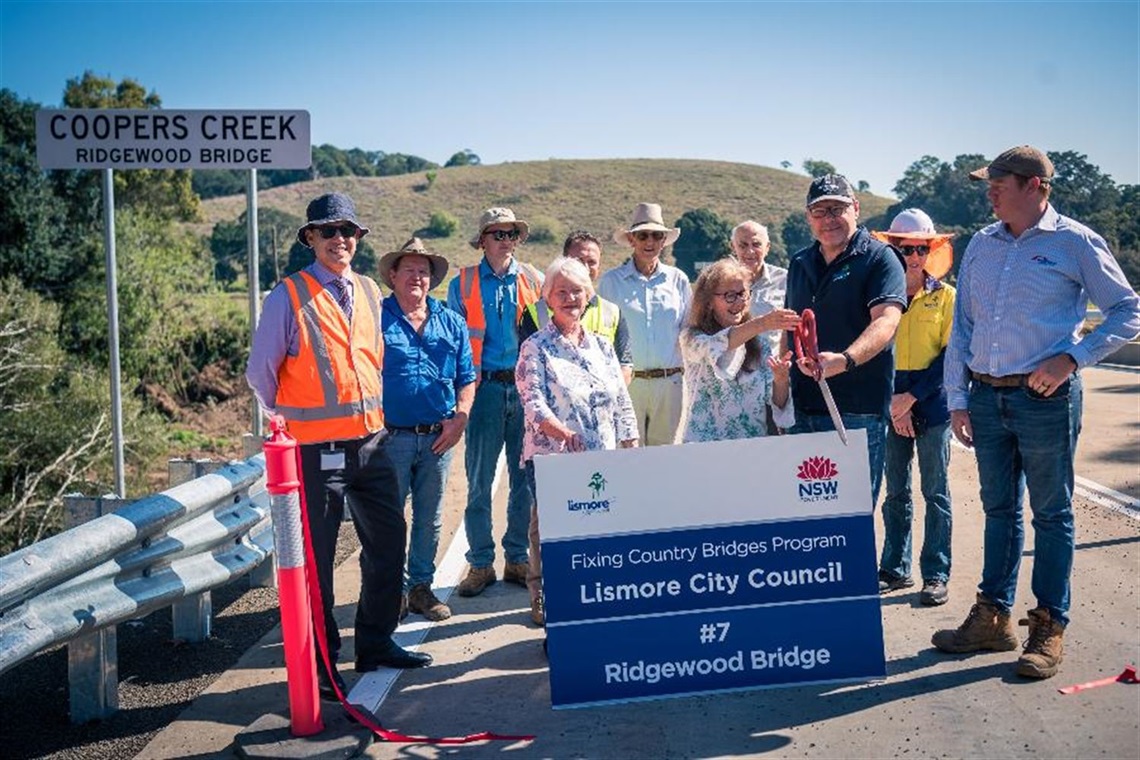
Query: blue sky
[{"x": 868, "y": 86}]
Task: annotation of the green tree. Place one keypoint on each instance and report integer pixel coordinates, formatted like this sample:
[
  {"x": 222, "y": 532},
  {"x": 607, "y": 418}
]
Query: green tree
[
  {"x": 818, "y": 168},
  {"x": 441, "y": 225},
  {"x": 705, "y": 237},
  {"x": 465, "y": 157},
  {"x": 229, "y": 243},
  {"x": 795, "y": 233}
]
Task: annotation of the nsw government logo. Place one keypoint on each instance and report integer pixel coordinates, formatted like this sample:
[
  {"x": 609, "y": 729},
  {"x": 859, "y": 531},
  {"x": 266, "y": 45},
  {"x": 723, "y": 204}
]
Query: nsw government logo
[
  {"x": 595, "y": 503},
  {"x": 818, "y": 479}
]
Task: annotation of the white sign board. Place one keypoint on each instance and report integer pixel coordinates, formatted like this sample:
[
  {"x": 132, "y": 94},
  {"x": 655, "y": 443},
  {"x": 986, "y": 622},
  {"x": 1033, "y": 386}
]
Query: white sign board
[
  {"x": 708, "y": 567},
  {"x": 99, "y": 138}
]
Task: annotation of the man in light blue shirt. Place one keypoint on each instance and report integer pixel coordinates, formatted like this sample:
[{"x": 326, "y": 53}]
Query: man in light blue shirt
[
  {"x": 653, "y": 298},
  {"x": 491, "y": 297},
  {"x": 1014, "y": 393}
]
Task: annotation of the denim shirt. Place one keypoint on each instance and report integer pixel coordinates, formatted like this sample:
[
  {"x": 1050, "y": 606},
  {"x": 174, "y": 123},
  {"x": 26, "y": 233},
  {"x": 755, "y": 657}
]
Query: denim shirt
[
  {"x": 500, "y": 308},
  {"x": 423, "y": 372}
]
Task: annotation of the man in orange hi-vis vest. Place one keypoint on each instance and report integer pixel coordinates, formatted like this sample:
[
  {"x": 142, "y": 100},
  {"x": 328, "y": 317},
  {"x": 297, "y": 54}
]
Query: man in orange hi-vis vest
[
  {"x": 491, "y": 296},
  {"x": 316, "y": 361}
]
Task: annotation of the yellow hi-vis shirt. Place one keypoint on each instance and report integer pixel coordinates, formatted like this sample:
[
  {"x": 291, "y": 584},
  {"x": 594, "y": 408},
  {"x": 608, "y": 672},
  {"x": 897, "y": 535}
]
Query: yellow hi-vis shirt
[{"x": 925, "y": 327}]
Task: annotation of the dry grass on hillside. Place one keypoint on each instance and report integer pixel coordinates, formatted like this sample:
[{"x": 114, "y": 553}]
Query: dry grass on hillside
[{"x": 593, "y": 195}]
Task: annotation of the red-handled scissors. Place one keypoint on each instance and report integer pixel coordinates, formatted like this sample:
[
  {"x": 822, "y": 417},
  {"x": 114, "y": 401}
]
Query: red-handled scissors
[{"x": 807, "y": 346}]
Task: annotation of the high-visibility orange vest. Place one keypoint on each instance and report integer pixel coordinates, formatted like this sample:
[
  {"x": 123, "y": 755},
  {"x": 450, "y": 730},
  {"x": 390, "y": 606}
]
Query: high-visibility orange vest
[
  {"x": 330, "y": 391},
  {"x": 528, "y": 283}
]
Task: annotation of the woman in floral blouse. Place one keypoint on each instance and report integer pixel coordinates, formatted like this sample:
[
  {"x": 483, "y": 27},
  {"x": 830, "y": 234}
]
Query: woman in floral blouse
[
  {"x": 573, "y": 394},
  {"x": 731, "y": 377}
]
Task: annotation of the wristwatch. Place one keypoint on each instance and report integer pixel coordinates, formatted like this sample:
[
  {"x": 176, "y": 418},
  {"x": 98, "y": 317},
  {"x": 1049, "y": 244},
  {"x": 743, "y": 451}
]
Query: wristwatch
[{"x": 850, "y": 362}]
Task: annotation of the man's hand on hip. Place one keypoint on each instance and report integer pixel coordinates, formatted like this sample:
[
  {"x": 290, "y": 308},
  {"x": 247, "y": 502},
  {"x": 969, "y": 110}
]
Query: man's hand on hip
[
  {"x": 1051, "y": 374},
  {"x": 452, "y": 431}
]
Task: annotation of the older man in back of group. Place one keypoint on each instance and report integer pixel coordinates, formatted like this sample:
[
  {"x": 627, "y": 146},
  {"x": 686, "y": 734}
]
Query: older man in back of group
[
  {"x": 1014, "y": 393},
  {"x": 857, "y": 288},
  {"x": 429, "y": 385},
  {"x": 601, "y": 317},
  {"x": 316, "y": 361},
  {"x": 653, "y": 298},
  {"x": 491, "y": 296},
  {"x": 750, "y": 246}
]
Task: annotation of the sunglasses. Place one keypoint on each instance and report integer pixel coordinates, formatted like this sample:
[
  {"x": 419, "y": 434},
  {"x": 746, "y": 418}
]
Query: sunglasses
[
  {"x": 732, "y": 296},
  {"x": 643, "y": 236},
  {"x": 502, "y": 235},
  {"x": 821, "y": 212},
  {"x": 329, "y": 231},
  {"x": 914, "y": 250}
]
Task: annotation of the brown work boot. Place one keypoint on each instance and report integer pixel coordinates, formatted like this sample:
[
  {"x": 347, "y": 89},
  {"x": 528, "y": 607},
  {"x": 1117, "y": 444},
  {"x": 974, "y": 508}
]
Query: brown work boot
[
  {"x": 986, "y": 627},
  {"x": 1045, "y": 648},
  {"x": 538, "y": 612},
  {"x": 515, "y": 572},
  {"x": 478, "y": 578},
  {"x": 422, "y": 600}
]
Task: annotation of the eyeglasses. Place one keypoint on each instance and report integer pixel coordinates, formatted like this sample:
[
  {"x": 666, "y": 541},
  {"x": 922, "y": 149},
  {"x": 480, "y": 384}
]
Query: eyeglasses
[
  {"x": 914, "y": 250},
  {"x": 732, "y": 296},
  {"x": 645, "y": 235},
  {"x": 329, "y": 231},
  {"x": 822, "y": 212},
  {"x": 501, "y": 235}
]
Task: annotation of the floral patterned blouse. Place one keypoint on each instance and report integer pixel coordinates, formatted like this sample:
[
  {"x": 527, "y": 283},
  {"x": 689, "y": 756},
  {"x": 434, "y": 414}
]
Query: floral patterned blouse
[
  {"x": 720, "y": 401},
  {"x": 578, "y": 384}
]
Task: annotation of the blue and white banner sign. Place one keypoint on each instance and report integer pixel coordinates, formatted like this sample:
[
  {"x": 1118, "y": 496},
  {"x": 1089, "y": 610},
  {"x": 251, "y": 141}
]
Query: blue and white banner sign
[{"x": 708, "y": 567}]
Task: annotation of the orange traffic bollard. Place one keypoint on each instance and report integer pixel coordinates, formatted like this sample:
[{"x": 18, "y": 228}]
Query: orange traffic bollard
[{"x": 283, "y": 485}]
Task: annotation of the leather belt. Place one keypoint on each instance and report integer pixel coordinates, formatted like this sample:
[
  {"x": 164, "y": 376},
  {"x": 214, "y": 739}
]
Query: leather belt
[
  {"x": 1006, "y": 381},
  {"x": 499, "y": 375},
  {"x": 667, "y": 372},
  {"x": 434, "y": 427}
]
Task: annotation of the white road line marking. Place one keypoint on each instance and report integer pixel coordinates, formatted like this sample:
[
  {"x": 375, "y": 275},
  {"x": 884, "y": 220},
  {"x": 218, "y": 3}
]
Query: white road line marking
[{"x": 371, "y": 689}]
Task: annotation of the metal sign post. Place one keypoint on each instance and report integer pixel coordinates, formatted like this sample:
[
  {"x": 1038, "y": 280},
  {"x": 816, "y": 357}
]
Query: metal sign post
[
  {"x": 117, "y": 138},
  {"x": 254, "y": 254}
]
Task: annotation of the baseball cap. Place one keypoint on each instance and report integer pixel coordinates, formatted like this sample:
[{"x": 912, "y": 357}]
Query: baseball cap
[
  {"x": 1024, "y": 161},
  {"x": 830, "y": 187}
]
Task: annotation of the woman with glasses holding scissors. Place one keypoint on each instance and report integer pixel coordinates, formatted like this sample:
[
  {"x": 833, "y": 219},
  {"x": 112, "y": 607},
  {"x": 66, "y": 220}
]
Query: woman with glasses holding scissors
[
  {"x": 919, "y": 415},
  {"x": 731, "y": 377}
]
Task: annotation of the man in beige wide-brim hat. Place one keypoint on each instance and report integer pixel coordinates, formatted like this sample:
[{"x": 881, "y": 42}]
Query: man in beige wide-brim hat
[
  {"x": 429, "y": 386},
  {"x": 491, "y": 296},
  {"x": 653, "y": 298}
]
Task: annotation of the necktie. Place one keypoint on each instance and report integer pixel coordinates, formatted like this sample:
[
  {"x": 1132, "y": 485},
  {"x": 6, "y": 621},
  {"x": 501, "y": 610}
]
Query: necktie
[{"x": 344, "y": 297}]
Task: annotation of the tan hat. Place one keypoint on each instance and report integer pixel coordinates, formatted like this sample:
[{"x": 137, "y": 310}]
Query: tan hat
[
  {"x": 494, "y": 216},
  {"x": 389, "y": 261},
  {"x": 916, "y": 224},
  {"x": 646, "y": 217},
  {"x": 1024, "y": 161}
]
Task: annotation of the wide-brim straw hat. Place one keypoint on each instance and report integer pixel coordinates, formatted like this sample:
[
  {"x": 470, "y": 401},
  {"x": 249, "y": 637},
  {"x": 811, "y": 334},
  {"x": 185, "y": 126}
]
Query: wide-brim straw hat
[
  {"x": 415, "y": 246},
  {"x": 646, "y": 218},
  {"x": 915, "y": 224},
  {"x": 493, "y": 216},
  {"x": 329, "y": 208}
]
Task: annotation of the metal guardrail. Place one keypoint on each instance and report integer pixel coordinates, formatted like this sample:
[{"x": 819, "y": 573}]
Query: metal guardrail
[{"x": 166, "y": 549}]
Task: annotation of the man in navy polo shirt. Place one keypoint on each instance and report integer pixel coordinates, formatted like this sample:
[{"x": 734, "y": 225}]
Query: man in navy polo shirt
[
  {"x": 856, "y": 286},
  {"x": 429, "y": 386}
]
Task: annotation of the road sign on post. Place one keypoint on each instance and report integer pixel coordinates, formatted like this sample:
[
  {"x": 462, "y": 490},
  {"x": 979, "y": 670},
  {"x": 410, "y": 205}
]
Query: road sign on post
[{"x": 155, "y": 138}]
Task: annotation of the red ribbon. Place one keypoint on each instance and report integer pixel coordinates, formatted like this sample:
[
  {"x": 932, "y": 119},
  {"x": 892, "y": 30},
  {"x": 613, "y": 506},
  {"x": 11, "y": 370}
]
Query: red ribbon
[
  {"x": 368, "y": 720},
  {"x": 1128, "y": 675}
]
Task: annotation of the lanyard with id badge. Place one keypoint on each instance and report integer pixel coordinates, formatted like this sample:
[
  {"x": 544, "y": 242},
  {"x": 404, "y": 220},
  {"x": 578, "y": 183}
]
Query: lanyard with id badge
[{"x": 332, "y": 459}]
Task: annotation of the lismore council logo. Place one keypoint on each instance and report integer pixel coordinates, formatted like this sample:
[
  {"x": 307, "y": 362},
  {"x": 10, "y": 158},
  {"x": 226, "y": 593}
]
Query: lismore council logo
[
  {"x": 595, "y": 503},
  {"x": 818, "y": 479}
]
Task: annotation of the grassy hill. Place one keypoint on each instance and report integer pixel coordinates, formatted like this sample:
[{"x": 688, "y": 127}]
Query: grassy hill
[{"x": 597, "y": 195}]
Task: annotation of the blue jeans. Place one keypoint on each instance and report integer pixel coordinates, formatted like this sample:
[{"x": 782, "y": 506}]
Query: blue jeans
[
  {"x": 933, "y": 446},
  {"x": 423, "y": 473},
  {"x": 874, "y": 424},
  {"x": 496, "y": 421},
  {"x": 1023, "y": 440}
]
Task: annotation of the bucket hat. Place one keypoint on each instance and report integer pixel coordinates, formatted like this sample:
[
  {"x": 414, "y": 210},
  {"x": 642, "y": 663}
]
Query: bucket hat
[
  {"x": 646, "y": 217},
  {"x": 327, "y": 209},
  {"x": 494, "y": 216},
  {"x": 914, "y": 224},
  {"x": 389, "y": 261}
]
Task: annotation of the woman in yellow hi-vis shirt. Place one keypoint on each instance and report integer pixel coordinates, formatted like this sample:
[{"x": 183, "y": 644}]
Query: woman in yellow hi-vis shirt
[{"x": 919, "y": 416}]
